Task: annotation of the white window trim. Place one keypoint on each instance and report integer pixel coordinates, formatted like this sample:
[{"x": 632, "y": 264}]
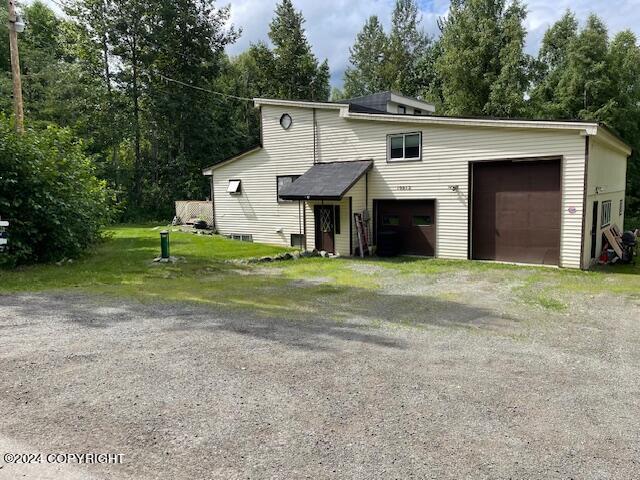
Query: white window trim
[
  {"x": 238, "y": 187},
  {"x": 403, "y": 159}
]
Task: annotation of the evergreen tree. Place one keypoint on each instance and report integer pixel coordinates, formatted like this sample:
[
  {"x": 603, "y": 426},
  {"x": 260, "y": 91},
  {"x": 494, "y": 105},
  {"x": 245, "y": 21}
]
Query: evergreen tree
[
  {"x": 482, "y": 58},
  {"x": 295, "y": 71},
  {"x": 506, "y": 96},
  {"x": 551, "y": 63},
  {"x": 406, "y": 46},
  {"x": 366, "y": 57},
  {"x": 584, "y": 85}
]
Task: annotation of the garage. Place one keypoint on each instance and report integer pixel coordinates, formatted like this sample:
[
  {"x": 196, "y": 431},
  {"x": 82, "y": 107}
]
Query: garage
[
  {"x": 410, "y": 225},
  {"x": 516, "y": 211}
]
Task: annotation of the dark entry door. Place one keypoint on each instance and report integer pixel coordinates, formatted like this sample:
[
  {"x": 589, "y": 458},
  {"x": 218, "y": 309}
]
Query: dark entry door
[
  {"x": 325, "y": 227},
  {"x": 414, "y": 221},
  {"x": 594, "y": 229},
  {"x": 517, "y": 211}
]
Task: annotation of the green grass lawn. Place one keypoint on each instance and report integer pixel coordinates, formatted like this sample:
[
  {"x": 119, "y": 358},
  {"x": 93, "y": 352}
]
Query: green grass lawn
[
  {"x": 122, "y": 266},
  {"x": 125, "y": 259}
]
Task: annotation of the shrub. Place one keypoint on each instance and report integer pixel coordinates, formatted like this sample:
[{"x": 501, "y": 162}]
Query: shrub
[{"x": 49, "y": 193}]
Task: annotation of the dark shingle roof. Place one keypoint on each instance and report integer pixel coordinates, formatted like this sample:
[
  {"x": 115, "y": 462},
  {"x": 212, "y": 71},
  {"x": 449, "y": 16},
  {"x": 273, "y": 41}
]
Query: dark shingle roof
[{"x": 326, "y": 181}]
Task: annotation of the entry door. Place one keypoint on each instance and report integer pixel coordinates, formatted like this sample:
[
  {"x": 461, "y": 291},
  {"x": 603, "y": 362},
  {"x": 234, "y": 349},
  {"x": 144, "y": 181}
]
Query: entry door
[
  {"x": 594, "y": 229},
  {"x": 325, "y": 228}
]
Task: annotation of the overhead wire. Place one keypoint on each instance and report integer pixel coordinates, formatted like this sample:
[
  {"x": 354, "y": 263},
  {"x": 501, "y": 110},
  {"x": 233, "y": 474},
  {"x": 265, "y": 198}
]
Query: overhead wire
[{"x": 227, "y": 95}]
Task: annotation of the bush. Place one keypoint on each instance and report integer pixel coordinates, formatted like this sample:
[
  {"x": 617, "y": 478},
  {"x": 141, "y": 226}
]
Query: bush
[{"x": 49, "y": 193}]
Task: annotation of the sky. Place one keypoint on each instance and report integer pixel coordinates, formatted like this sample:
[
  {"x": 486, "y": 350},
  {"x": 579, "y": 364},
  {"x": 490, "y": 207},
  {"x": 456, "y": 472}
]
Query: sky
[{"x": 332, "y": 25}]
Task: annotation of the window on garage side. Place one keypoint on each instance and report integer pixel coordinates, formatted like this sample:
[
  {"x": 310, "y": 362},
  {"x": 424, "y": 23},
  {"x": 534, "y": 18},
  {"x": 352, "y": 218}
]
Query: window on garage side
[
  {"x": 234, "y": 187},
  {"x": 404, "y": 147},
  {"x": 281, "y": 182},
  {"x": 391, "y": 220},
  {"x": 605, "y": 217},
  {"x": 422, "y": 220},
  {"x": 297, "y": 240}
]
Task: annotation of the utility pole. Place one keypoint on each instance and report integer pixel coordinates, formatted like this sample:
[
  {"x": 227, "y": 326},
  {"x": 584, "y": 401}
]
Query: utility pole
[{"x": 15, "y": 68}]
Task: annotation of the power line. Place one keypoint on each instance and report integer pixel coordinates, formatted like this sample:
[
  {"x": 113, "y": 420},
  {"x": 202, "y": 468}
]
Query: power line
[{"x": 204, "y": 89}]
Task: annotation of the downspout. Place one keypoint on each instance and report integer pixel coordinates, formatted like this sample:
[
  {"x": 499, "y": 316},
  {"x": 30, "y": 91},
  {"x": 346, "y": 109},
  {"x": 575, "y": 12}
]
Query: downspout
[{"x": 315, "y": 127}]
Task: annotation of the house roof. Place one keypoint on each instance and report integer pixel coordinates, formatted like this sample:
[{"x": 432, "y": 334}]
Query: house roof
[
  {"x": 326, "y": 181},
  {"x": 378, "y": 102}
]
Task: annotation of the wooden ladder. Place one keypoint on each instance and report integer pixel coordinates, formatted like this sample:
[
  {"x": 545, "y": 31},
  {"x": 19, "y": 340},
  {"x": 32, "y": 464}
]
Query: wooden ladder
[{"x": 363, "y": 234}]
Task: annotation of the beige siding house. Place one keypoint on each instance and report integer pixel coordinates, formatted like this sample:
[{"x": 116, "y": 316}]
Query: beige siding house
[{"x": 459, "y": 188}]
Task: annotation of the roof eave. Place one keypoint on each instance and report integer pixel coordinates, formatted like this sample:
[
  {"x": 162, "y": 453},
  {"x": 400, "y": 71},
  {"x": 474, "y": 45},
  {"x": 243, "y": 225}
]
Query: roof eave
[
  {"x": 587, "y": 128},
  {"x": 258, "y": 102}
]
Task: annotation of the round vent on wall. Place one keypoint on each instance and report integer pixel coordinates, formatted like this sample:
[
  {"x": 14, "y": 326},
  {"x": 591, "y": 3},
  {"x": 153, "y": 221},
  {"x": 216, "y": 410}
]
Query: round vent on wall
[{"x": 286, "y": 121}]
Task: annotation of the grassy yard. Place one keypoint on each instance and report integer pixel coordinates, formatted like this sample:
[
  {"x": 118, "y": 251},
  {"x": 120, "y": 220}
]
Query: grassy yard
[{"x": 123, "y": 266}]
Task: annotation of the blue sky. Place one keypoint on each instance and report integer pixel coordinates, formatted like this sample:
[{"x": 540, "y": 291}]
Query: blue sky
[{"x": 333, "y": 24}]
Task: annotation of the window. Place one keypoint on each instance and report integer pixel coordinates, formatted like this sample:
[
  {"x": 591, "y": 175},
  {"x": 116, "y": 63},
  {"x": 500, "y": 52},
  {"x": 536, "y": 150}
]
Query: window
[
  {"x": 417, "y": 112},
  {"x": 402, "y": 109},
  {"x": 422, "y": 220},
  {"x": 235, "y": 187},
  {"x": 336, "y": 219},
  {"x": 405, "y": 146},
  {"x": 390, "y": 220},
  {"x": 286, "y": 121},
  {"x": 621, "y": 207},
  {"x": 605, "y": 218},
  {"x": 240, "y": 236},
  {"x": 283, "y": 181},
  {"x": 297, "y": 240}
]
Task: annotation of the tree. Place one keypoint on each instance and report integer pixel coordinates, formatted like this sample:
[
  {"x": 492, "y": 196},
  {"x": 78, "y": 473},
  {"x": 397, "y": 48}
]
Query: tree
[
  {"x": 292, "y": 68},
  {"x": 623, "y": 112},
  {"x": 506, "y": 96},
  {"x": 366, "y": 57},
  {"x": 405, "y": 47},
  {"x": 551, "y": 63},
  {"x": 49, "y": 190},
  {"x": 482, "y": 58},
  {"x": 581, "y": 75},
  {"x": 584, "y": 85},
  {"x": 129, "y": 34}
]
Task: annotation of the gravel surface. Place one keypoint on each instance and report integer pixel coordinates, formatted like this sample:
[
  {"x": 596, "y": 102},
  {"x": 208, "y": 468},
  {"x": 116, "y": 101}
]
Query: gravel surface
[{"x": 478, "y": 389}]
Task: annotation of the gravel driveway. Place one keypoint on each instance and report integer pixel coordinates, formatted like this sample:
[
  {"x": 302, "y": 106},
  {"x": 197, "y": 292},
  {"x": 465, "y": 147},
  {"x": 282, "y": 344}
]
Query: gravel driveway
[{"x": 187, "y": 392}]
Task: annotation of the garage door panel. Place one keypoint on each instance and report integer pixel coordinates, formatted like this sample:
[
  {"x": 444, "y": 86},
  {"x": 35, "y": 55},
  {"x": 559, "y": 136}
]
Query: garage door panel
[
  {"x": 517, "y": 211},
  {"x": 416, "y": 224}
]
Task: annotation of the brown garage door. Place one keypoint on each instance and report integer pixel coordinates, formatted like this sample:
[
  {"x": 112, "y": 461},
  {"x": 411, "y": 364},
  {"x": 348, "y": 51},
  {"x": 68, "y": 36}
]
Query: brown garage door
[
  {"x": 414, "y": 221},
  {"x": 516, "y": 211}
]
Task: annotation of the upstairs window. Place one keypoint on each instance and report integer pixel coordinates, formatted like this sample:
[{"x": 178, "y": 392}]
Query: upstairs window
[
  {"x": 417, "y": 112},
  {"x": 404, "y": 147},
  {"x": 234, "y": 187},
  {"x": 402, "y": 109},
  {"x": 606, "y": 214},
  {"x": 281, "y": 182}
]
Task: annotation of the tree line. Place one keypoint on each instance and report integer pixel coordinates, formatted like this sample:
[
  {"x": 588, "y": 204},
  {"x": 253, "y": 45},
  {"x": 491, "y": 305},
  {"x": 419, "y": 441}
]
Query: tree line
[{"x": 134, "y": 79}]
